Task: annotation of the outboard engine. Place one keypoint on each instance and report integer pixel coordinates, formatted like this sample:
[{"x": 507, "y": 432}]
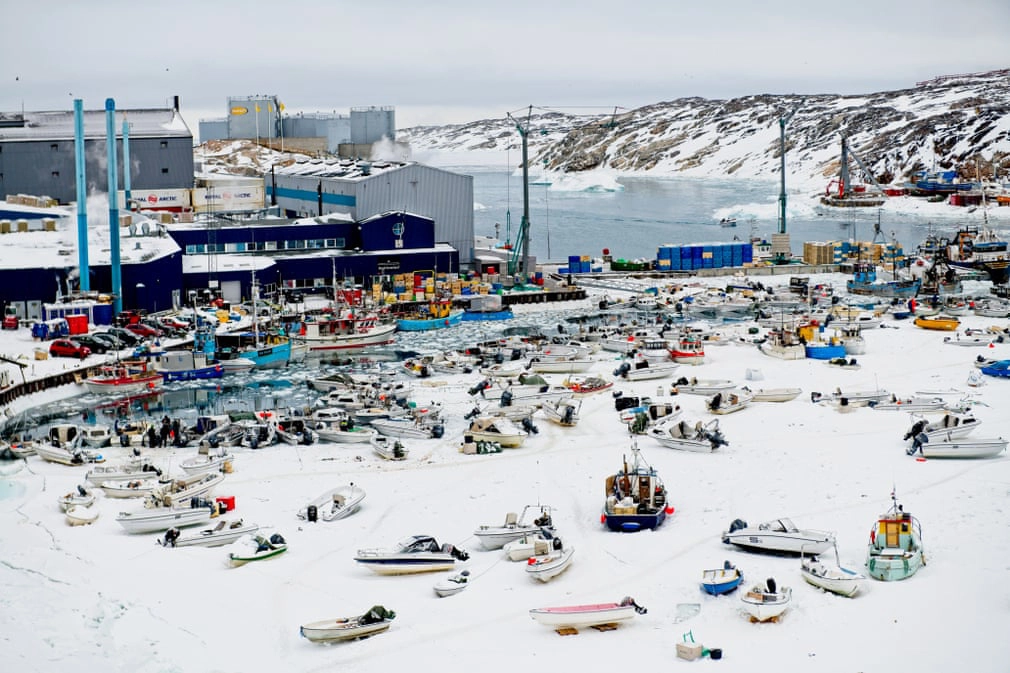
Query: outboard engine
[
  {"x": 124, "y": 439},
  {"x": 437, "y": 431},
  {"x": 738, "y": 524},
  {"x": 474, "y": 413},
  {"x": 506, "y": 399},
  {"x": 529, "y": 427},
  {"x": 622, "y": 370},
  {"x": 568, "y": 415},
  {"x": 771, "y": 585},
  {"x": 276, "y": 538},
  {"x": 312, "y": 514}
]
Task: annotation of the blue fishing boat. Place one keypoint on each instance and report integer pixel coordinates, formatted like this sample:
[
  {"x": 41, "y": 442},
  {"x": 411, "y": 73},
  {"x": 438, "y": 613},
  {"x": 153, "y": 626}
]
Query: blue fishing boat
[
  {"x": 722, "y": 580},
  {"x": 264, "y": 349},
  {"x": 636, "y": 497},
  {"x": 197, "y": 364},
  {"x": 864, "y": 281}
]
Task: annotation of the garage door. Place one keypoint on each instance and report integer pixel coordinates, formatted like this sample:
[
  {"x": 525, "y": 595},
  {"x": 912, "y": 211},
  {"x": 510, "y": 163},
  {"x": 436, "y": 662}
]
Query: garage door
[{"x": 231, "y": 290}]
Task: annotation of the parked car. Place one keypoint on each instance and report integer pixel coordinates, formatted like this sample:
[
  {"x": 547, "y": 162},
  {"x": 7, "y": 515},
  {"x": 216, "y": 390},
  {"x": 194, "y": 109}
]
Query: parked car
[
  {"x": 144, "y": 331},
  {"x": 176, "y": 323},
  {"x": 114, "y": 342},
  {"x": 68, "y": 348},
  {"x": 128, "y": 317},
  {"x": 128, "y": 338},
  {"x": 95, "y": 344}
]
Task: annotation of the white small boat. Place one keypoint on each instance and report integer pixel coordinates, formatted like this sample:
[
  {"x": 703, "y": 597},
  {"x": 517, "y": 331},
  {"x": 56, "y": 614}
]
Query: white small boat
[
  {"x": 952, "y": 425},
  {"x": 342, "y": 432},
  {"x": 82, "y": 515},
  {"x": 521, "y": 549},
  {"x": 728, "y": 401},
  {"x": 643, "y": 369},
  {"x": 406, "y": 428},
  {"x": 374, "y": 621},
  {"x": 916, "y": 403},
  {"x": 82, "y": 496},
  {"x": 388, "y": 448},
  {"x": 957, "y": 448},
  {"x": 181, "y": 491},
  {"x": 515, "y": 526},
  {"x": 452, "y": 585},
  {"x": 415, "y": 554},
  {"x": 831, "y": 577},
  {"x": 695, "y": 386},
  {"x": 777, "y": 536},
  {"x": 126, "y": 471},
  {"x": 162, "y": 518},
  {"x": 215, "y": 460},
  {"x": 574, "y": 616},
  {"x": 564, "y": 412},
  {"x": 684, "y": 436},
  {"x": 767, "y": 602},
  {"x": 135, "y": 488},
  {"x": 774, "y": 394},
  {"x": 221, "y": 534},
  {"x": 495, "y": 429},
  {"x": 551, "y": 557},
  {"x": 258, "y": 548},
  {"x": 337, "y": 503}
]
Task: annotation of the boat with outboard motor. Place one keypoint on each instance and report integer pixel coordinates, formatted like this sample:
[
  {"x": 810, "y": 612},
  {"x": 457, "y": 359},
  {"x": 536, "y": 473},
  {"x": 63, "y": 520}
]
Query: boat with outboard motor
[
  {"x": 766, "y": 602},
  {"x": 685, "y": 436},
  {"x": 515, "y": 527},
  {"x": 779, "y": 536},
  {"x": 718, "y": 581},
  {"x": 376, "y": 620},
  {"x": 414, "y": 554},
  {"x": 574, "y": 616},
  {"x": 336, "y": 503},
  {"x": 221, "y": 534},
  {"x": 260, "y": 549}
]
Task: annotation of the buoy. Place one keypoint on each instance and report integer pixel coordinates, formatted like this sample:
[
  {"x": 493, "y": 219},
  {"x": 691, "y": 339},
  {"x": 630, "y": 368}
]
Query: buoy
[
  {"x": 603, "y": 518},
  {"x": 531, "y": 561},
  {"x": 669, "y": 510}
]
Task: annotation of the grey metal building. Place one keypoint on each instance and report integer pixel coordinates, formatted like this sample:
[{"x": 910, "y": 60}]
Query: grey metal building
[
  {"x": 263, "y": 117},
  {"x": 363, "y": 189},
  {"x": 37, "y": 151}
]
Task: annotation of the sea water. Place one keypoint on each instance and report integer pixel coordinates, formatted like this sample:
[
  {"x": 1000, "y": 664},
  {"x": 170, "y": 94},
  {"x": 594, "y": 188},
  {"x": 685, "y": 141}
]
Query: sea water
[{"x": 632, "y": 216}]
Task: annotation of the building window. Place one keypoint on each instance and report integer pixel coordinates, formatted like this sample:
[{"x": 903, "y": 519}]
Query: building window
[
  {"x": 56, "y": 174},
  {"x": 55, "y": 147},
  {"x": 270, "y": 245},
  {"x": 164, "y": 144},
  {"x": 164, "y": 171}
]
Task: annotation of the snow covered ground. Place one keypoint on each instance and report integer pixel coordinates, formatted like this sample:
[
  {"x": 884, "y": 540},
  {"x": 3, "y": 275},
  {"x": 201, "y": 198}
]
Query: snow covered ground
[{"x": 96, "y": 598}]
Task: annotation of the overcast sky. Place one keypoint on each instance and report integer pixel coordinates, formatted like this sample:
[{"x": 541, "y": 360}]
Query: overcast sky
[{"x": 454, "y": 61}]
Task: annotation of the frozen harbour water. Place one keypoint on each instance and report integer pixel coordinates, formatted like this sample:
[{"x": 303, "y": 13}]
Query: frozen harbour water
[{"x": 93, "y": 597}]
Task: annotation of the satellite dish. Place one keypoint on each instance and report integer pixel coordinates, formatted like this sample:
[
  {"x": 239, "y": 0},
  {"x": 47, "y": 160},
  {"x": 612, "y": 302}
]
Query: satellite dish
[
  {"x": 145, "y": 228},
  {"x": 133, "y": 229}
]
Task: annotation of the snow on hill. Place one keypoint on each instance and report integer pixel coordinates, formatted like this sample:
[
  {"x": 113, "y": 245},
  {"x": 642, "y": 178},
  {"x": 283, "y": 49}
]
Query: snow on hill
[{"x": 944, "y": 124}]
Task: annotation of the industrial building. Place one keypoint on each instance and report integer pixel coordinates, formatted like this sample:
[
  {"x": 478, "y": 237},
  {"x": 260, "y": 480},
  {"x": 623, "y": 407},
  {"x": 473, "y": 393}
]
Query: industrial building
[
  {"x": 37, "y": 152},
  {"x": 362, "y": 190},
  {"x": 262, "y": 118}
]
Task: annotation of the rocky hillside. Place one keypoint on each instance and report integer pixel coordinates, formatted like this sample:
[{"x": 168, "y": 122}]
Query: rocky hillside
[{"x": 947, "y": 123}]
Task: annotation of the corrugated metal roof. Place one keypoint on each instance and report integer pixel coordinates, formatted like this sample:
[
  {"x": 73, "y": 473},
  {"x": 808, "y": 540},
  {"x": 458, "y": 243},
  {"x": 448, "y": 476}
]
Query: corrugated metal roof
[{"x": 59, "y": 125}]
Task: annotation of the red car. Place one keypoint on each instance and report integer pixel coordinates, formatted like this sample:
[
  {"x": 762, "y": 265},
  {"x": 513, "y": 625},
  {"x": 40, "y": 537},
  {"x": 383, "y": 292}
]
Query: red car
[
  {"x": 68, "y": 348},
  {"x": 142, "y": 330}
]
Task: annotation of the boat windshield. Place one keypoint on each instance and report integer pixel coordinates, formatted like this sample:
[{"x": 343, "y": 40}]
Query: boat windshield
[{"x": 417, "y": 543}]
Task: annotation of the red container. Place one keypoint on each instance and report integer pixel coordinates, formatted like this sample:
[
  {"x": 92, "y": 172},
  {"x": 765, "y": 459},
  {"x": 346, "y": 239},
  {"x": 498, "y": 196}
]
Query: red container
[
  {"x": 78, "y": 324},
  {"x": 228, "y": 500}
]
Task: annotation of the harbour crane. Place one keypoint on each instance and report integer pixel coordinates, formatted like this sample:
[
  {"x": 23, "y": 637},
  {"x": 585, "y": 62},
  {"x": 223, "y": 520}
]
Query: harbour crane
[{"x": 781, "y": 250}]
